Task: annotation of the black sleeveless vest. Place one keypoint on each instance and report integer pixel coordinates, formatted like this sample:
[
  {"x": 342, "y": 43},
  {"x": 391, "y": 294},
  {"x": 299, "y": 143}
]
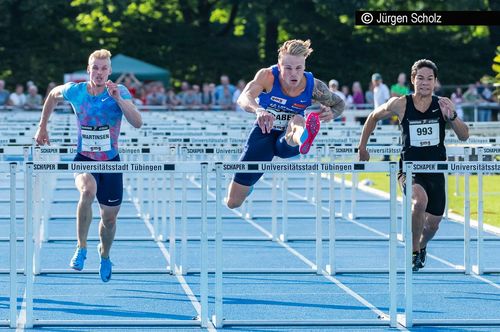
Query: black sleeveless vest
[{"x": 423, "y": 133}]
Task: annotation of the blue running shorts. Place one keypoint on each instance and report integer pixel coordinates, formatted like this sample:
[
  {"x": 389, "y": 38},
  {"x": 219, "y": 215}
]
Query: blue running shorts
[
  {"x": 263, "y": 147},
  {"x": 109, "y": 185}
]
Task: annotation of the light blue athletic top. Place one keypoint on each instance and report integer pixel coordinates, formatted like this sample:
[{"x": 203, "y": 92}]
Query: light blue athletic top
[{"x": 98, "y": 120}]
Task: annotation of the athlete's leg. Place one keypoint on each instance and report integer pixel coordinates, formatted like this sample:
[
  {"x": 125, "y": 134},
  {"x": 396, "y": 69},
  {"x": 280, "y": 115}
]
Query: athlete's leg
[
  {"x": 420, "y": 200},
  {"x": 110, "y": 195},
  {"x": 436, "y": 193},
  {"x": 295, "y": 129},
  {"x": 259, "y": 147},
  {"x": 237, "y": 194},
  {"x": 418, "y": 214},
  {"x": 107, "y": 227},
  {"x": 431, "y": 226},
  {"x": 302, "y": 131},
  {"x": 87, "y": 186}
]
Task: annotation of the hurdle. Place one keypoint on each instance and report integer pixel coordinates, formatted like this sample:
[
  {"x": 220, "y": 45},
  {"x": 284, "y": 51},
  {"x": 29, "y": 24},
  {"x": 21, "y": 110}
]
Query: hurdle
[
  {"x": 318, "y": 268},
  {"x": 53, "y": 153},
  {"x": 36, "y": 217},
  {"x": 11, "y": 169},
  {"x": 438, "y": 167},
  {"x": 32, "y": 168},
  {"x": 480, "y": 268}
]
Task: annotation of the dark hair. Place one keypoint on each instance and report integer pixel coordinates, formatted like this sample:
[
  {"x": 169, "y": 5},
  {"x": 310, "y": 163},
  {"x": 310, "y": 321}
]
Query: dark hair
[{"x": 421, "y": 64}]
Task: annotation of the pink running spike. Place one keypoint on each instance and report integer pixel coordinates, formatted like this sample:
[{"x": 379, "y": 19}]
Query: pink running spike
[{"x": 310, "y": 132}]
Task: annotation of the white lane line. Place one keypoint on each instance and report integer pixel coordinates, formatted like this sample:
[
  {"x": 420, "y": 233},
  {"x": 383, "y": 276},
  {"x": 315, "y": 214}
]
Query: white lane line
[
  {"x": 21, "y": 321},
  {"x": 294, "y": 194},
  {"x": 182, "y": 281}
]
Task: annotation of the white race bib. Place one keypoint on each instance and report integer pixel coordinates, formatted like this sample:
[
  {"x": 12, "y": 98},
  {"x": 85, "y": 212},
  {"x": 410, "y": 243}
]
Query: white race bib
[
  {"x": 96, "y": 139},
  {"x": 281, "y": 118},
  {"x": 424, "y": 132}
]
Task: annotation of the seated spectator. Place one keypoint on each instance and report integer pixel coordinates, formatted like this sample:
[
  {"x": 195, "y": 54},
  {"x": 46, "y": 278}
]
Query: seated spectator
[
  {"x": 172, "y": 99},
  {"x": 457, "y": 99},
  {"x": 140, "y": 96},
  {"x": 4, "y": 94},
  {"x": 369, "y": 94},
  {"x": 400, "y": 88},
  {"x": 224, "y": 93},
  {"x": 197, "y": 94},
  {"x": 348, "y": 97},
  {"x": 485, "y": 113},
  {"x": 239, "y": 88},
  {"x": 157, "y": 96},
  {"x": 333, "y": 85},
  {"x": 470, "y": 99},
  {"x": 207, "y": 95},
  {"x": 131, "y": 83},
  {"x": 33, "y": 99},
  {"x": 225, "y": 98},
  {"x": 357, "y": 94},
  {"x": 18, "y": 98},
  {"x": 185, "y": 86},
  {"x": 190, "y": 97}
]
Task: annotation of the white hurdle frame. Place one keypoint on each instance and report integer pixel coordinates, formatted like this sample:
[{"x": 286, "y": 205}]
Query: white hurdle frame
[
  {"x": 465, "y": 168},
  {"x": 11, "y": 169},
  {"x": 252, "y": 167},
  {"x": 480, "y": 268},
  {"x": 109, "y": 167}
]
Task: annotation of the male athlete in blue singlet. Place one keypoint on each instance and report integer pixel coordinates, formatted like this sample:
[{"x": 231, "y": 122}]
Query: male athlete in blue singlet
[
  {"x": 99, "y": 105},
  {"x": 423, "y": 118},
  {"x": 284, "y": 91}
]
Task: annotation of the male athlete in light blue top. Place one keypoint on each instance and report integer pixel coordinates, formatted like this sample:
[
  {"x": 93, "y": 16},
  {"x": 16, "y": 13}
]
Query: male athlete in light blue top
[
  {"x": 284, "y": 92},
  {"x": 99, "y": 105}
]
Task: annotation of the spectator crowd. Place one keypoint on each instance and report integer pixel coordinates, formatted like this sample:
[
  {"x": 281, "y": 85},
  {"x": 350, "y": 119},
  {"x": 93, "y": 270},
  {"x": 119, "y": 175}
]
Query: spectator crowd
[{"x": 223, "y": 96}]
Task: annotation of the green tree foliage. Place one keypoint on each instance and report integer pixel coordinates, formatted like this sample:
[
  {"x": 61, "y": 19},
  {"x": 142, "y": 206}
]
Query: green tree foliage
[{"x": 198, "y": 40}]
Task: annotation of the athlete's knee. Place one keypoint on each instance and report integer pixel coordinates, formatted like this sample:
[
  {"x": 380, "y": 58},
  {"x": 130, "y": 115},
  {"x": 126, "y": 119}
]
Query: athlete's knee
[
  {"x": 87, "y": 194},
  {"x": 233, "y": 203},
  {"x": 421, "y": 201},
  {"x": 432, "y": 227},
  {"x": 109, "y": 221},
  {"x": 432, "y": 224}
]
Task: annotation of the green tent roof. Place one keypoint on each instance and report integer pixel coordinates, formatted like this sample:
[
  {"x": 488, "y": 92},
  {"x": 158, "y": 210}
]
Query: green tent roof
[{"x": 142, "y": 70}]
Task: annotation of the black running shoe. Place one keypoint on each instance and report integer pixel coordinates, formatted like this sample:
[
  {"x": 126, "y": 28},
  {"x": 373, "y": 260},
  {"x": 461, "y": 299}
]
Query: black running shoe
[
  {"x": 423, "y": 253},
  {"x": 416, "y": 263}
]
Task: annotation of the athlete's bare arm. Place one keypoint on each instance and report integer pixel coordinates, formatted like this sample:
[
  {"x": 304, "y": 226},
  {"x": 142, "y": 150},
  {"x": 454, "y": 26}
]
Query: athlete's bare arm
[
  {"x": 263, "y": 81},
  {"x": 334, "y": 104},
  {"x": 458, "y": 126},
  {"x": 54, "y": 97},
  {"x": 394, "y": 106},
  {"x": 128, "y": 108}
]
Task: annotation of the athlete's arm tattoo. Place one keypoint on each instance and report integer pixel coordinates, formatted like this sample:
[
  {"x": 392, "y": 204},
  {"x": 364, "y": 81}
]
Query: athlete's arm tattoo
[{"x": 323, "y": 95}]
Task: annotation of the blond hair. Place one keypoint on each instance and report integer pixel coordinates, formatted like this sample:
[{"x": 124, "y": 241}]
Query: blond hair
[
  {"x": 295, "y": 47},
  {"x": 100, "y": 54}
]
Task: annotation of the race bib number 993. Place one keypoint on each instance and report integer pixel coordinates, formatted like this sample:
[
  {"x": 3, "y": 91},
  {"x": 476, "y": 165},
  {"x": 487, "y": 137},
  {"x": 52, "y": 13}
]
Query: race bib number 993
[{"x": 424, "y": 132}]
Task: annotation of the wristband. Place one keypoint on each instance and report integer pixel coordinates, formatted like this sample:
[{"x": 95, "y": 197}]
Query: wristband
[{"x": 453, "y": 117}]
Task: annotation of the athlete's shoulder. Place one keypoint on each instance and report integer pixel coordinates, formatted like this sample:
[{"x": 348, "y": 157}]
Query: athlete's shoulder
[
  {"x": 397, "y": 102},
  {"x": 264, "y": 76},
  {"x": 72, "y": 89}
]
